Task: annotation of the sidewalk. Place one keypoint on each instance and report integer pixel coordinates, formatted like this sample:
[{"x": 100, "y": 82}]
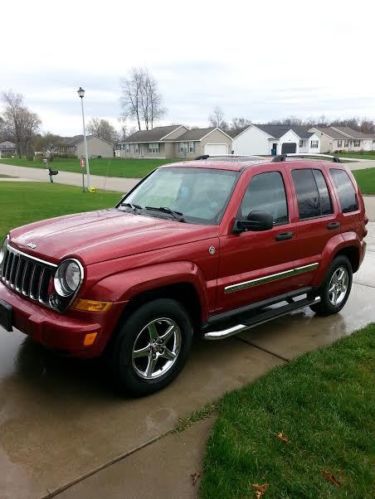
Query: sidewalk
[{"x": 69, "y": 178}]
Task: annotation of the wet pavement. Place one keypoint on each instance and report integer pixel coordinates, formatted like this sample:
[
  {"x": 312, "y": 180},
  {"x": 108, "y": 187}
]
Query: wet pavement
[{"x": 63, "y": 431}]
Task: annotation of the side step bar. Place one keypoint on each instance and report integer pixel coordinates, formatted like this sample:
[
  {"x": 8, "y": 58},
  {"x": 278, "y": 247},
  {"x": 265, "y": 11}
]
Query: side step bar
[{"x": 260, "y": 318}]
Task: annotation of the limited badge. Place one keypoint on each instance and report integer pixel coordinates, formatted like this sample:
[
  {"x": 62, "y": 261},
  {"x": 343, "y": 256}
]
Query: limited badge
[{"x": 212, "y": 250}]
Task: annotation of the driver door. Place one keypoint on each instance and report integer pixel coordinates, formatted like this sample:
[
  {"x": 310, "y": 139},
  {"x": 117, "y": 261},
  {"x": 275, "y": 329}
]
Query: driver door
[{"x": 252, "y": 263}]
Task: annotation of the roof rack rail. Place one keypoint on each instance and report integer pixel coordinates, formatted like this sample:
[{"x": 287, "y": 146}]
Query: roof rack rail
[{"x": 282, "y": 157}]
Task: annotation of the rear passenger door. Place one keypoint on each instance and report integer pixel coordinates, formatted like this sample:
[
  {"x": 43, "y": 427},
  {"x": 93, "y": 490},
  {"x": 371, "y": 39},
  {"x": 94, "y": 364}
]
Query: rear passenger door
[{"x": 317, "y": 219}]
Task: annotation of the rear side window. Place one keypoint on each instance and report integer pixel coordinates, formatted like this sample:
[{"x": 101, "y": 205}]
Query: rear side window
[
  {"x": 325, "y": 198},
  {"x": 266, "y": 192},
  {"x": 312, "y": 193},
  {"x": 345, "y": 190}
]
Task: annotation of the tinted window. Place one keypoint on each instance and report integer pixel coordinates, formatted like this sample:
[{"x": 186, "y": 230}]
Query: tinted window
[
  {"x": 345, "y": 190},
  {"x": 266, "y": 192},
  {"x": 325, "y": 198},
  {"x": 307, "y": 193}
]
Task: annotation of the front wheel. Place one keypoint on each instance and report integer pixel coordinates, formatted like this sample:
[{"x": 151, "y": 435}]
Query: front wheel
[
  {"x": 336, "y": 288},
  {"x": 151, "y": 347}
]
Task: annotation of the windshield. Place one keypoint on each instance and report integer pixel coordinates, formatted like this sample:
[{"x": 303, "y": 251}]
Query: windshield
[{"x": 197, "y": 195}]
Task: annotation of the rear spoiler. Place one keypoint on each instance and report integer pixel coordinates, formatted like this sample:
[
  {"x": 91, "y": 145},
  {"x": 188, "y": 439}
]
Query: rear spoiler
[{"x": 282, "y": 157}]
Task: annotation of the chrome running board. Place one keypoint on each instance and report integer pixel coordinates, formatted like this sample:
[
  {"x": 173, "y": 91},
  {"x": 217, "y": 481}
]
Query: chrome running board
[{"x": 260, "y": 318}]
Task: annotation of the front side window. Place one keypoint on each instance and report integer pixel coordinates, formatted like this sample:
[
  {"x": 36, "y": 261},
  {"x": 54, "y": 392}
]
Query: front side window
[
  {"x": 266, "y": 192},
  {"x": 345, "y": 190},
  {"x": 200, "y": 194}
]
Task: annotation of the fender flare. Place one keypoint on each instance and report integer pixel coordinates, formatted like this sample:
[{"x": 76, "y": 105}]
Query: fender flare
[
  {"x": 125, "y": 286},
  {"x": 333, "y": 247}
]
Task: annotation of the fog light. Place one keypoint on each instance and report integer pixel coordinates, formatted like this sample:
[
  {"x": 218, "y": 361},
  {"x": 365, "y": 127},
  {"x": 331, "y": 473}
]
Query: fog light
[
  {"x": 92, "y": 305},
  {"x": 89, "y": 339}
]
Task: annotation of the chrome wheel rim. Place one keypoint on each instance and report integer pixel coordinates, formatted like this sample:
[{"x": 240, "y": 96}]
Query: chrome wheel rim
[
  {"x": 156, "y": 348},
  {"x": 338, "y": 286}
]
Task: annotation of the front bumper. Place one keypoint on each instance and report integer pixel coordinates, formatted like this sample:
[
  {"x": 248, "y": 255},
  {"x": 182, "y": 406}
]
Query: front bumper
[{"x": 65, "y": 333}]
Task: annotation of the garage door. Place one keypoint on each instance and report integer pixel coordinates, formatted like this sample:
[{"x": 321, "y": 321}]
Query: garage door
[
  {"x": 288, "y": 148},
  {"x": 215, "y": 149}
]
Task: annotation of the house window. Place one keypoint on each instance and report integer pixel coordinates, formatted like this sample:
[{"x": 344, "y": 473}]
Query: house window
[
  {"x": 346, "y": 143},
  {"x": 191, "y": 146},
  {"x": 301, "y": 143},
  {"x": 153, "y": 148},
  {"x": 339, "y": 143},
  {"x": 314, "y": 144},
  {"x": 127, "y": 147},
  {"x": 184, "y": 147},
  {"x": 357, "y": 143},
  {"x": 136, "y": 148}
]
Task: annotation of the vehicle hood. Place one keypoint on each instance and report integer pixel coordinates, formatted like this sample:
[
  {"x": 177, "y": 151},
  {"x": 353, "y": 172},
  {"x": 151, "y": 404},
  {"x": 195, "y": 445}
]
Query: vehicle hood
[{"x": 104, "y": 235}]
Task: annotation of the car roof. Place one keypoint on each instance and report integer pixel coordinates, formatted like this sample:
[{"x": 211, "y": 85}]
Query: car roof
[{"x": 240, "y": 165}]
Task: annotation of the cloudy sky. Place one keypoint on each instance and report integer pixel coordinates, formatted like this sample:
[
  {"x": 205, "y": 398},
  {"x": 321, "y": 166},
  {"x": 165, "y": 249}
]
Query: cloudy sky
[{"x": 258, "y": 59}]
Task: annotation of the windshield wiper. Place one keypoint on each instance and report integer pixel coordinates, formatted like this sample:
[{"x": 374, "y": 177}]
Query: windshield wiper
[
  {"x": 177, "y": 215},
  {"x": 134, "y": 207}
]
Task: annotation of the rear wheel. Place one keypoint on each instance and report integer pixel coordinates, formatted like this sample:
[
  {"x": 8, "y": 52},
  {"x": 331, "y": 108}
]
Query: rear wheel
[
  {"x": 336, "y": 288},
  {"x": 151, "y": 347}
]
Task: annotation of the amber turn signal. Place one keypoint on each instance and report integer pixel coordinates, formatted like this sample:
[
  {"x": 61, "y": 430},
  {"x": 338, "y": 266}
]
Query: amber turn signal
[
  {"x": 89, "y": 339},
  {"x": 92, "y": 305}
]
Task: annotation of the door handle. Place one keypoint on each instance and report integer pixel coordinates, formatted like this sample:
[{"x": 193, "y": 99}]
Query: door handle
[
  {"x": 283, "y": 236},
  {"x": 333, "y": 225}
]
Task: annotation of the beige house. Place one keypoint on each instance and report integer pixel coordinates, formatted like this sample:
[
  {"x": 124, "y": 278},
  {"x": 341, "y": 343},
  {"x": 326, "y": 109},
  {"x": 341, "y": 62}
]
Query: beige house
[
  {"x": 95, "y": 146},
  {"x": 343, "y": 138},
  {"x": 175, "y": 141}
]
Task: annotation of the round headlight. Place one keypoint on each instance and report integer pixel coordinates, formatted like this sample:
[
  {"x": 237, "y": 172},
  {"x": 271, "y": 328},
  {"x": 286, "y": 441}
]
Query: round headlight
[{"x": 68, "y": 277}]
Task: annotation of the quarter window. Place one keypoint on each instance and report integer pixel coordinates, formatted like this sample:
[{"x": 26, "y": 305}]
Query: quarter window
[
  {"x": 266, "y": 192},
  {"x": 345, "y": 190},
  {"x": 312, "y": 193}
]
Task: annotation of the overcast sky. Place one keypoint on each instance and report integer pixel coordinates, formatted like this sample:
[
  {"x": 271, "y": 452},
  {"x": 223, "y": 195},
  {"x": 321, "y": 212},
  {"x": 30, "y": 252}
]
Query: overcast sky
[{"x": 258, "y": 59}]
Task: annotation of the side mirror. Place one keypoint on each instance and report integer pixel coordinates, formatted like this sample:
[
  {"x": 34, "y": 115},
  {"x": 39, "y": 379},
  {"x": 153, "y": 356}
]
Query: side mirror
[{"x": 255, "y": 221}]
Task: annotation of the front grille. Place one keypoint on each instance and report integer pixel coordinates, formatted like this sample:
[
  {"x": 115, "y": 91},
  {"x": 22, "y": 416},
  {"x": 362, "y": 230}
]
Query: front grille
[{"x": 27, "y": 276}]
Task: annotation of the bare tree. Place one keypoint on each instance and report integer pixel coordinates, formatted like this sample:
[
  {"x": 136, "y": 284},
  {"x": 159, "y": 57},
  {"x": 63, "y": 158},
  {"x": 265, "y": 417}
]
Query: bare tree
[
  {"x": 239, "y": 124},
  {"x": 20, "y": 123},
  {"x": 103, "y": 129},
  {"x": 141, "y": 99},
  {"x": 216, "y": 119}
]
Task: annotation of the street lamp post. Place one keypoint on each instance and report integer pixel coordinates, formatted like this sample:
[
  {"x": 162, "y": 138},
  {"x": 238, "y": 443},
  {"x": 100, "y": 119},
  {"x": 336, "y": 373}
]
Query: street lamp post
[{"x": 81, "y": 94}]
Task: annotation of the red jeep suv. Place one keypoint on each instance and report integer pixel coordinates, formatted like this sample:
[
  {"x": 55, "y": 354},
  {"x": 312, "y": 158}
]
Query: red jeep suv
[{"x": 205, "y": 247}]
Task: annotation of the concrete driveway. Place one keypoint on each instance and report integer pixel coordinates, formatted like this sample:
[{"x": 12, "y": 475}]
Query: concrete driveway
[{"x": 63, "y": 432}]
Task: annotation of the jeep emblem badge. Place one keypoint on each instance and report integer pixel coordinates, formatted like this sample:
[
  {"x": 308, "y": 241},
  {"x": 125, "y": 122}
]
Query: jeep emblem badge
[
  {"x": 212, "y": 250},
  {"x": 31, "y": 245}
]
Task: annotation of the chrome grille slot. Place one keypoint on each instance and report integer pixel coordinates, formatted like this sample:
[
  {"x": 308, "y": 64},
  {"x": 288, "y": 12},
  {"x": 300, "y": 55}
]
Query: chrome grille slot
[{"x": 27, "y": 275}]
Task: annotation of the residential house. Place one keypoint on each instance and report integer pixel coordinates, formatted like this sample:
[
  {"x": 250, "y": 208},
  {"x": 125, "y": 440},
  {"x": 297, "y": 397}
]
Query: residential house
[
  {"x": 343, "y": 138},
  {"x": 175, "y": 141},
  {"x": 258, "y": 139},
  {"x": 75, "y": 146},
  {"x": 7, "y": 148}
]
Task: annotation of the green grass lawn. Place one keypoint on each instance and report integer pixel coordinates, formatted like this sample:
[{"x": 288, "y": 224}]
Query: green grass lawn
[
  {"x": 306, "y": 429},
  {"x": 360, "y": 155},
  {"x": 25, "y": 202},
  {"x": 114, "y": 167},
  {"x": 366, "y": 180}
]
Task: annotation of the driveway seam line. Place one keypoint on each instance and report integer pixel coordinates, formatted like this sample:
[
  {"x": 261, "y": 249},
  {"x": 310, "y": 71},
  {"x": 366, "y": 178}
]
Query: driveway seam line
[
  {"x": 115, "y": 460},
  {"x": 280, "y": 357}
]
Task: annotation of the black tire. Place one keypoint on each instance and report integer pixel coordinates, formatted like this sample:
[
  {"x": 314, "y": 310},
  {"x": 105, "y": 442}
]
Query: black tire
[
  {"x": 126, "y": 371},
  {"x": 326, "y": 307}
]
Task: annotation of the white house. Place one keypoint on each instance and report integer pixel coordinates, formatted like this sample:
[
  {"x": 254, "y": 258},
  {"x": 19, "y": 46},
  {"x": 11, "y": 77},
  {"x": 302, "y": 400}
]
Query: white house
[{"x": 275, "y": 139}]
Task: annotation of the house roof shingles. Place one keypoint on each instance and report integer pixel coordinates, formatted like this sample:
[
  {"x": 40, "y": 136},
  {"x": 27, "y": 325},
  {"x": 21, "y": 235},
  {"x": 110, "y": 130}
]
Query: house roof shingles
[
  {"x": 278, "y": 131},
  {"x": 154, "y": 135},
  {"x": 194, "y": 134},
  {"x": 353, "y": 134}
]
